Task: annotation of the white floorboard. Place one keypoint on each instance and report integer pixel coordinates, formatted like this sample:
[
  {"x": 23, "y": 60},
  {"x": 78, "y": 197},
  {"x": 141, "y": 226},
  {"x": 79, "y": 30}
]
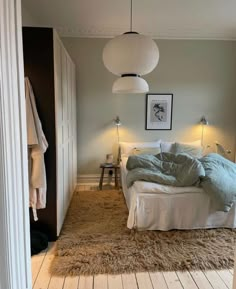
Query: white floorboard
[
  {"x": 186, "y": 280},
  {"x": 44, "y": 277},
  {"x": 100, "y": 282},
  {"x": 172, "y": 280},
  {"x": 215, "y": 280},
  {"x": 85, "y": 282},
  {"x": 37, "y": 262},
  {"x": 201, "y": 280},
  {"x": 129, "y": 281},
  {"x": 56, "y": 282},
  {"x": 115, "y": 282},
  {"x": 71, "y": 283},
  {"x": 158, "y": 280},
  {"x": 226, "y": 276},
  {"x": 144, "y": 281}
]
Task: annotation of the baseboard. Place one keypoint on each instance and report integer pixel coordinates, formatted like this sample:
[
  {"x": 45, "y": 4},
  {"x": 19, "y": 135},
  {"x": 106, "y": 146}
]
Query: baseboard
[
  {"x": 92, "y": 178},
  {"x": 88, "y": 178}
]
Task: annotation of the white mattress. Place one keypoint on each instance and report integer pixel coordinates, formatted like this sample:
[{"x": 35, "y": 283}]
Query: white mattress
[{"x": 158, "y": 207}]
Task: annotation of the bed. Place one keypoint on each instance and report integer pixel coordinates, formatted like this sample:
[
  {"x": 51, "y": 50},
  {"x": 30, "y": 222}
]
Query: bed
[{"x": 154, "y": 206}]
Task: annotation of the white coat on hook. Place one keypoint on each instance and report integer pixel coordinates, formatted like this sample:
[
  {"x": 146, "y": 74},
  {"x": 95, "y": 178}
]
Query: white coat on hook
[{"x": 37, "y": 146}]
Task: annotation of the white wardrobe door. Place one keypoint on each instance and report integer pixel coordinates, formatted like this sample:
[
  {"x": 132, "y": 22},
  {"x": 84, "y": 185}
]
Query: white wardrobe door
[
  {"x": 74, "y": 124},
  {"x": 66, "y": 129},
  {"x": 59, "y": 131},
  {"x": 70, "y": 103}
]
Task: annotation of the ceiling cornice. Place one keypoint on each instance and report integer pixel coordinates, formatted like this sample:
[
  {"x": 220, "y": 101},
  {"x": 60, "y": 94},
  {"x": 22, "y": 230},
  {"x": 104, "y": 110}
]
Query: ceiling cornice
[{"x": 171, "y": 33}]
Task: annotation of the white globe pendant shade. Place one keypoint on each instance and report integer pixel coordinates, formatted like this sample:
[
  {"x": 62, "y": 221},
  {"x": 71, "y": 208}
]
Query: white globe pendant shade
[
  {"x": 130, "y": 84},
  {"x": 130, "y": 53}
]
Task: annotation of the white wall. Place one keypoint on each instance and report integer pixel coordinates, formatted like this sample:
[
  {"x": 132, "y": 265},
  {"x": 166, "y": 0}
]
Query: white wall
[
  {"x": 27, "y": 18},
  {"x": 200, "y": 74}
]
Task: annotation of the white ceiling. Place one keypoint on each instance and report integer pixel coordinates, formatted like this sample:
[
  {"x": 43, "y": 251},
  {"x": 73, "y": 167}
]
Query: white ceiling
[{"x": 183, "y": 19}]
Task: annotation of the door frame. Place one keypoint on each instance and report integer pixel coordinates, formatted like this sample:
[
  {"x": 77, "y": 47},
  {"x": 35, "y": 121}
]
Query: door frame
[{"x": 15, "y": 262}]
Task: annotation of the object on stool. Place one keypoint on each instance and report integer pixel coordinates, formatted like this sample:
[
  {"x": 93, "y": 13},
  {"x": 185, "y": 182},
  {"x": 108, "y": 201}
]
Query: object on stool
[{"x": 109, "y": 158}]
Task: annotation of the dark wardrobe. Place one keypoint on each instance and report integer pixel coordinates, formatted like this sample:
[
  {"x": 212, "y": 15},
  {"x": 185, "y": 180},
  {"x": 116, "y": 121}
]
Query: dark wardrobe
[{"x": 52, "y": 75}]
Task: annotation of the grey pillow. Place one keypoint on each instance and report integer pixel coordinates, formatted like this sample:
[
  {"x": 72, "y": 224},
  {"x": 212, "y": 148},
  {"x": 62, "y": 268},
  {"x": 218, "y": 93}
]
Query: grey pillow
[{"x": 193, "y": 151}]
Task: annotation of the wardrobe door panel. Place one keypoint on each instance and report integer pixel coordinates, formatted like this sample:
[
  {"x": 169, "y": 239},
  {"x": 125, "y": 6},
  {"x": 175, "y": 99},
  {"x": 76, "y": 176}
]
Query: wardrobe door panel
[
  {"x": 60, "y": 192},
  {"x": 64, "y": 95},
  {"x": 58, "y": 90},
  {"x": 69, "y": 89},
  {"x": 66, "y": 177},
  {"x": 59, "y": 131},
  {"x": 69, "y": 124},
  {"x": 74, "y": 145},
  {"x": 71, "y": 169},
  {"x": 67, "y": 148},
  {"x": 71, "y": 130},
  {"x": 74, "y": 126}
]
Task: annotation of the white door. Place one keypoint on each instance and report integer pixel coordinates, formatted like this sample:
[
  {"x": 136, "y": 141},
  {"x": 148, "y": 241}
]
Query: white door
[
  {"x": 74, "y": 124},
  {"x": 59, "y": 131},
  {"x": 64, "y": 73},
  {"x": 14, "y": 196}
]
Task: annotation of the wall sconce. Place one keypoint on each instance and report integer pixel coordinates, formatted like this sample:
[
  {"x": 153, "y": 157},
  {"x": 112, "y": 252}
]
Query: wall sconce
[
  {"x": 221, "y": 150},
  {"x": 203, "y": 122},
  {"x": 117, "y": 121}
]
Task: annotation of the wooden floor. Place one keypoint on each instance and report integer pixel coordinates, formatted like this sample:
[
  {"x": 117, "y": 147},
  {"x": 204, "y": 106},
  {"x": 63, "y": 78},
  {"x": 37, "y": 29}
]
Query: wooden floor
[{"x": 148, "y": 280}]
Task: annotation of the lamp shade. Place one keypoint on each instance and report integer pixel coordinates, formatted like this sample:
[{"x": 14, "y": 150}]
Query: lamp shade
[
  {"x": 130, "y": 84},
  {"x": 117, "y": 121},
  {"x": 130, "y": 53},
  {"x": 204, "y": 121}
]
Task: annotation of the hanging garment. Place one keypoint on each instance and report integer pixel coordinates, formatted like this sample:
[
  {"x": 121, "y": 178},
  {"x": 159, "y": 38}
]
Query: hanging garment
[{"x": 37, "y": 146}]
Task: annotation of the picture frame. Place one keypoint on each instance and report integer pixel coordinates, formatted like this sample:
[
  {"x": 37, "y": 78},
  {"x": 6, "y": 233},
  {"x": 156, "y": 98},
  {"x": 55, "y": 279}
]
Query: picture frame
[{"x": 159, "y": 107}]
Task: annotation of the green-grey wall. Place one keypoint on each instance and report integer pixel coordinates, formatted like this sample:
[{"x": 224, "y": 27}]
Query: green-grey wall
[{"x": 200, "y": 74}]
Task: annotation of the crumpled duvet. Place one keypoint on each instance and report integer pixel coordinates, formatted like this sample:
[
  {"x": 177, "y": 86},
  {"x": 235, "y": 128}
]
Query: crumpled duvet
[
  {"x": 219, "y": 181},
  {"x": 166, "y": 168}
]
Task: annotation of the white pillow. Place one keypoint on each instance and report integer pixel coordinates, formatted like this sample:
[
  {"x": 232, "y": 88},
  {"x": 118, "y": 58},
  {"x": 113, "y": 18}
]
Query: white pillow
[
  {"x": 167, "y": 146},
  {"x": 196, "y": 143},
  {"x": 193, "y": 150},
  {"x": 127, "y": 147},
  {"x": 146, "y": 151}
]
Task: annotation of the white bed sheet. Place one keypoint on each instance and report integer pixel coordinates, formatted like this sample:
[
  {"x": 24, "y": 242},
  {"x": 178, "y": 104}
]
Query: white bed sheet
[{"x": 158, "y": 207}]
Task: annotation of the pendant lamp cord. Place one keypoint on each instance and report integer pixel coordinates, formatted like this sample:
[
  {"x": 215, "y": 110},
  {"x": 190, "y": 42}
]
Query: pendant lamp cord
[{"x": 131, "y": 15}]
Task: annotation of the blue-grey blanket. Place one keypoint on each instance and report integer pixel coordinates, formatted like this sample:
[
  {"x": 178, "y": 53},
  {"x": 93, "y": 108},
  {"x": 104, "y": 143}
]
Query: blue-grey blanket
[
  {"x": 166, "y": 168},
  {"x": 219, "y": 180},
  {"x": 216, "y": 175}
]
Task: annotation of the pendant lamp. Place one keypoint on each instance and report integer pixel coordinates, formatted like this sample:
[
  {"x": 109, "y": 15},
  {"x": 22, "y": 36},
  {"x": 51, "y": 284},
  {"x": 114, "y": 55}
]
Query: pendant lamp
[{"x": 130, "y": 56}]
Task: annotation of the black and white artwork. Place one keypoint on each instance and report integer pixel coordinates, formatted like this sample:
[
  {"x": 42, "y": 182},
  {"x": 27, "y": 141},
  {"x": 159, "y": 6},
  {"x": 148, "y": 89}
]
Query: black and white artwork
[{"x": 159, "y": 111}]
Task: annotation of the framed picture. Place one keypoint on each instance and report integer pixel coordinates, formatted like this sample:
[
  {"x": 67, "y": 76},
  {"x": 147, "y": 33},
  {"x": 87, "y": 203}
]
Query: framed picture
[{"x": 159, "y": 111}]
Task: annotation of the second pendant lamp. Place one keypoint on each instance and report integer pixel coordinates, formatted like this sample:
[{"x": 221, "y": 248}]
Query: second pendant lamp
[{"x": 130, "y": 56}]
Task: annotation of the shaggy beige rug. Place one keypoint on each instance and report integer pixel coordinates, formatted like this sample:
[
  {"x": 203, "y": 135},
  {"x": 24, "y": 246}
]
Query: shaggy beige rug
[{"x": 95, "y": 240}]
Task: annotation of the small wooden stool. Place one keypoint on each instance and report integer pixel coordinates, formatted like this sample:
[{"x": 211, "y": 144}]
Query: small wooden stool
[{"x": 114, "y": 167}]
